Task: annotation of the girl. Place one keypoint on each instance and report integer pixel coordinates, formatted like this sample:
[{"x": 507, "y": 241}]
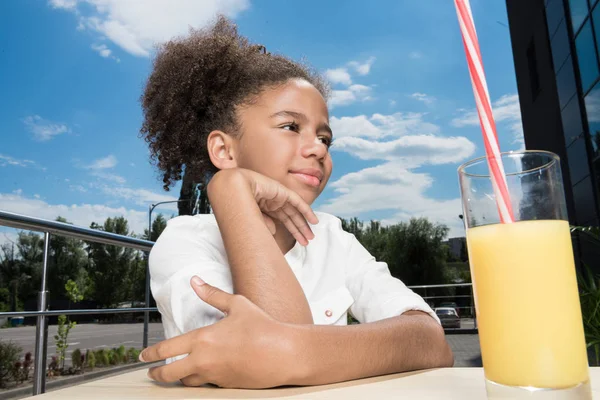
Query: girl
[{"x": 272, "y": 308}]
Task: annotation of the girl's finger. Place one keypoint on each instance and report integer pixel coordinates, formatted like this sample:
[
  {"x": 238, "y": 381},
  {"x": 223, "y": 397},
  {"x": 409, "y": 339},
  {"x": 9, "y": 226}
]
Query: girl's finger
[
  {"x": 172, "y": 372},
  {"x": 290, "y": 226},
  {"x": 212, "y": 295},
  {"x": 173, "y": 347},
  {"x": 297, "y": 202},
  {"x": 299, "y": 221},
  {"x": 194, "y": 380}
]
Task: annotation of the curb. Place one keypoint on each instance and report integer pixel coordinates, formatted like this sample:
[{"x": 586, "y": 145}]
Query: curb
[{"x": 73, "y": 380}]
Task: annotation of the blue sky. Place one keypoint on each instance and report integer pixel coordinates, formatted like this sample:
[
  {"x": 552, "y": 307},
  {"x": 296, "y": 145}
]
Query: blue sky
[{"x": 402, "y": 109}]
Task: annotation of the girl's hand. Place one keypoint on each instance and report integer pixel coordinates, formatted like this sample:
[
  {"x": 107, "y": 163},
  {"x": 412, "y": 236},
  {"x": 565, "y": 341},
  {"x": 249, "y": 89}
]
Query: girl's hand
[
  {"x": 246, "y": 349},
  {"x": 278, "y": 203}
]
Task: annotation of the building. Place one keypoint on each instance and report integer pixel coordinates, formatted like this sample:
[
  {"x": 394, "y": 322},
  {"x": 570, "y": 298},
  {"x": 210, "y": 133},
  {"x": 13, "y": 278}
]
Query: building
[
  {"x": 457, "y": 247},
  {"x": 556, "y": 54}
]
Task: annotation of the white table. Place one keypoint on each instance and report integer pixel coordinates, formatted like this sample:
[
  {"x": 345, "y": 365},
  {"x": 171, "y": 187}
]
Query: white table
[{"x": 447, "y": 384}]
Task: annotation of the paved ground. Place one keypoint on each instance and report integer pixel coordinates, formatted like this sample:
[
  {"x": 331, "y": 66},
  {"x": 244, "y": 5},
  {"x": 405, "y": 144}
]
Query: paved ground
[{"x": 96, "y": 336}]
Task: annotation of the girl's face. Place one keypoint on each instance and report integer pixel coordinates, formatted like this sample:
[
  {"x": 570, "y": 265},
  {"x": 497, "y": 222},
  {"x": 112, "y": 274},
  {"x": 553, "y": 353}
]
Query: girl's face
[{"x": 285, "y": 135}]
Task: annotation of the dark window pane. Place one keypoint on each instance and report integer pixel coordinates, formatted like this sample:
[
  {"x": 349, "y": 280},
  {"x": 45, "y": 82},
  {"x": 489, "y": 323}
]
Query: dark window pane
[
  {"x": 583, "y": 196},
  {"x": 586, "y": 53},
  {"x": 560, "y": 46},
  {"x": 596, "y": 20},
  {"x": 571, "y": 121},
  {"x": 578, "y": 161},
  {"x": 579, "y": 10},
  {"x": 592, "y": 109},
  {"x": 555, "y": 12},
  {"x": 596, "y": 167},
  {"x": 565, "y": 83}
]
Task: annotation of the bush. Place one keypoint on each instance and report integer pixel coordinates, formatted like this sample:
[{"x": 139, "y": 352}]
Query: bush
[
  {"x": 77, "y": 359},
  {"x": 133, "y": 354},
  {"x": 113, "y": 357},
  {"x": 121, "y": 355},
  {"x": 53, "y": 367},
  {"x": 9, "y": 356},
  {"x": 90, "y": 358},
  {"x": 22, "y": 368},
  {"x": 102, "y": 358}
]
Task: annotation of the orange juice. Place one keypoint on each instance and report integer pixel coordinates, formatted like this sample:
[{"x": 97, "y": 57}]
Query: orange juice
[{"x": 529, "y": 316}]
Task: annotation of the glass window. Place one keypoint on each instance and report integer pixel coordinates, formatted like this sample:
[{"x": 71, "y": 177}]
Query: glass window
[
  {"x": 592, "y": 109},
  {"x": 596, "y": 20},
  {"x": 571, "y": 121},
  {"x": 579, "y": 10},
  {"x": 555, "y": 12},
  {"x": 560, "y": 45},
  {"x": 565, "y": 83},
  {"x": 586, "y": 53}
]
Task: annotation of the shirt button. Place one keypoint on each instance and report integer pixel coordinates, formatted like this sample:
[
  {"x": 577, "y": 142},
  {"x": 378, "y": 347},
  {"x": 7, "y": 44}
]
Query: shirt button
[{"x": 328, "y": 313}]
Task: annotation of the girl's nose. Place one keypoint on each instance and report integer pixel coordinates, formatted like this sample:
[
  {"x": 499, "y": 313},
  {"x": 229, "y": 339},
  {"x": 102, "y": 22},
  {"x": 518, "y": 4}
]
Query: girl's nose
[{"x": 313, "y": 146}]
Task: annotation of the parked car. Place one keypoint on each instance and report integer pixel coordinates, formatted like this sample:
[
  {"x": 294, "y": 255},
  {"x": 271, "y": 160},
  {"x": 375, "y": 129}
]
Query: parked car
[
  {"x": 448, "y": 317},
  {"x": 452, "y": 305}
]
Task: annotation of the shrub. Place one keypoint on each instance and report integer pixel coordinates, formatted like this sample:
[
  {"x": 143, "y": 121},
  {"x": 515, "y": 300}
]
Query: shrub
[
  {"x": 9, "y": 356},
  {"x": 90, "y": 358},
  {"x": 77, "y": 359}
]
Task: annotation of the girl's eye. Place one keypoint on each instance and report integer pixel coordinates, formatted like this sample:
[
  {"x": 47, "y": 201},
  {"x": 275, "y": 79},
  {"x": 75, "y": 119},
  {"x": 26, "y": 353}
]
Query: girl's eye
[
  {"x": 326, "y": 141},
  {"x": 292, "y": 126}
]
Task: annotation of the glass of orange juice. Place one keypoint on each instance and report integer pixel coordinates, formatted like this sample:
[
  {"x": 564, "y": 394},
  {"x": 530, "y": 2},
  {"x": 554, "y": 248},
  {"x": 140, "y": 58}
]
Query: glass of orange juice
[{"x": 524, "y": 280}]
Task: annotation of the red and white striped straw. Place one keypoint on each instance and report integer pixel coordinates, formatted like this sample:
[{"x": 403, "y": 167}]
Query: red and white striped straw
[{"x": 484, "y": 109}]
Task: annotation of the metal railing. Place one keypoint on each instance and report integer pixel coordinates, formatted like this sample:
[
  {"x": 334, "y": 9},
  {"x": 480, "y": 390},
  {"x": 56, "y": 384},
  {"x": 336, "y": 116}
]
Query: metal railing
[
  {"x": 63, "y": 229},
  {"x": 431, "y": 300}
]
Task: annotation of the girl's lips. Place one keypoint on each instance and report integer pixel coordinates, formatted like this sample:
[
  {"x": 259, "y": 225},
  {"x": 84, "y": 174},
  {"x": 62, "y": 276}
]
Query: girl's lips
[{"x": 308, "y": 179}]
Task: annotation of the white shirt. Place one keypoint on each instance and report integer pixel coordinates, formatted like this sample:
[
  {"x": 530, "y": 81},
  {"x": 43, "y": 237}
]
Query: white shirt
[{"x": 335, "y": 271}]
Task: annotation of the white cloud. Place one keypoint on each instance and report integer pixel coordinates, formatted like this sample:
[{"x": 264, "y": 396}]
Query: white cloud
[
  {"x": 428, "y": 100},
  {"x": 107, "y": 162},
  {"x": 78, "y": 214},
  {"x": 108, "y": 177},
  {"x": 78, "y": 188},
  {"x": 392, "y": 103},
  {"x": 8, "y": 160},
  {"x": 506, "y": 110},
  {"x": 393, "y": 188},
  {"x": 413, "y": 151},
  {"x": 380, "y": 126},
  {"x": 136, "y": 26},
  {"x": 362, "y": 68},
  {"x": 338, "y": 75},
  {"x": 42, "y": 129},
  {"x": 104, "y": 51},
  {"x": 348, "y": 96},
  {"x": 415, "y": 55},
  {"x": 403, "y": 142},
  {"x": 64, "y": 4},
  {"x": 142, "y": 197}
]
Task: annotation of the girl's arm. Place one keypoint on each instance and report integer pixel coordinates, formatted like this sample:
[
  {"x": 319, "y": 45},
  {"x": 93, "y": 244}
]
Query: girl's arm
[
  {"x": 249, "y": 349},
  {"x": 408, "y": 342},
  {"x": 258, "y": 268}
]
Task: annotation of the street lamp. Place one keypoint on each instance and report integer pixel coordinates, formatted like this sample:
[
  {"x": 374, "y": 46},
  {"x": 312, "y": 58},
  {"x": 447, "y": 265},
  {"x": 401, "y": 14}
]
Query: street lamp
[{"x": 146, "y": 313}]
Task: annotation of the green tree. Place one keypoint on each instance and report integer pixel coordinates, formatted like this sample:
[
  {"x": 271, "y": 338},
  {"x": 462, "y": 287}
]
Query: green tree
[
  {"x": 67, "y": 261},
  {"x": 109, "y": 264},
  {"x": 413, "y": 251},
  {"x": 158, "y": 226}
]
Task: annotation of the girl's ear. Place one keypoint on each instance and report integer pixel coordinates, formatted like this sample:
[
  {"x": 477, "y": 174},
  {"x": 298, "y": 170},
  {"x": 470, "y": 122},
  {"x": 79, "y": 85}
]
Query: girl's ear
[{"x": 221, "y": 150}]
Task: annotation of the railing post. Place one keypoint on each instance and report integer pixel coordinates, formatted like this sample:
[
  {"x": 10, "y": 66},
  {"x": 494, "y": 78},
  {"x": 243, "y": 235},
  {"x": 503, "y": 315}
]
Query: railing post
[
  {"x": 41, "y": 330},
  {"x": 147, "y": 299}
]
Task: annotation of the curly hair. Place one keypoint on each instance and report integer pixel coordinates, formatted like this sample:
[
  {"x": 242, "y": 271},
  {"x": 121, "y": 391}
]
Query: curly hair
[{"x": 196, "y": 85}]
